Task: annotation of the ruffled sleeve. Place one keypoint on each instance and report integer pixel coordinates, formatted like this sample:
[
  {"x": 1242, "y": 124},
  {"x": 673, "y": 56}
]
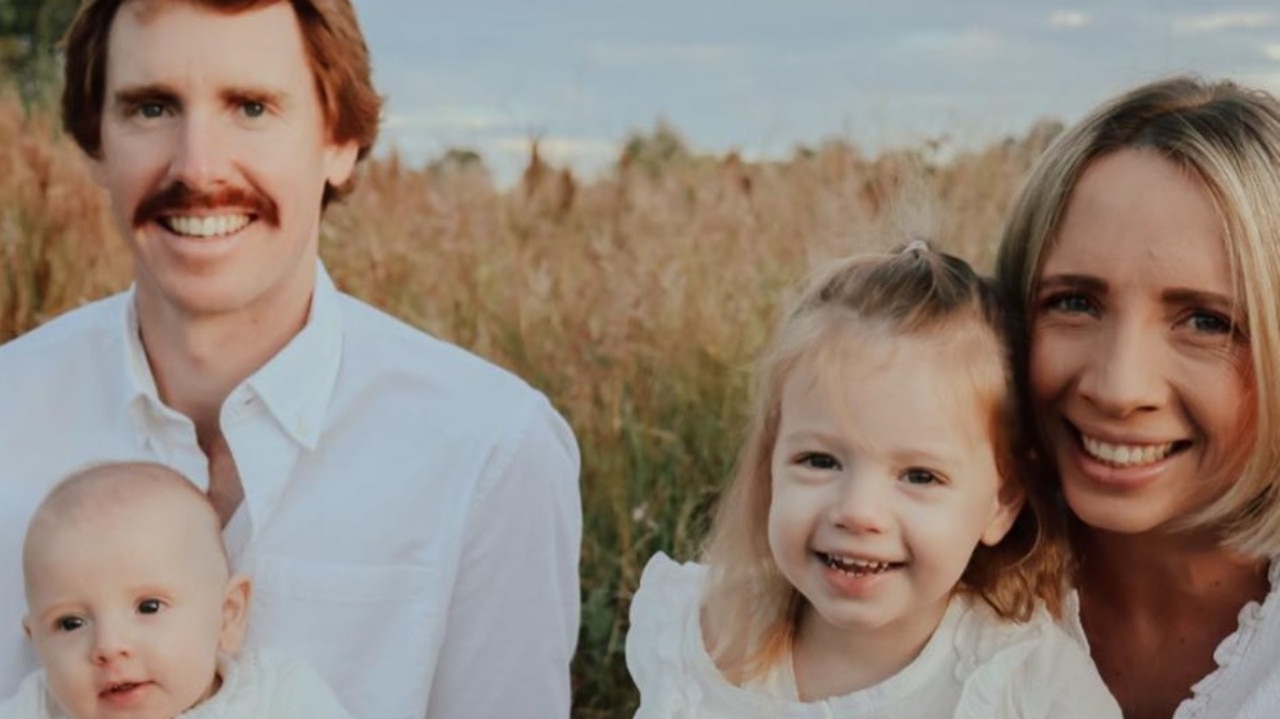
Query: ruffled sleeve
[
  {"x": 665, "y": 606},
  {"x": 1029, "y": 670}
]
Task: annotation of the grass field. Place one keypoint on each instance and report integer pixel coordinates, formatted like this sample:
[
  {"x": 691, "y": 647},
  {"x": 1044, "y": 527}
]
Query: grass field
[{"x": 636, "y": 300}]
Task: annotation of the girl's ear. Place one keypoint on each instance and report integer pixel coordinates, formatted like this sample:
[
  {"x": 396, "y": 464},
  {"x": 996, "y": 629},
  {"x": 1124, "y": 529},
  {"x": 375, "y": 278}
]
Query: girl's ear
[
  {"x": 235, "y": 614},
  {"x": 1004, "y": 511}
]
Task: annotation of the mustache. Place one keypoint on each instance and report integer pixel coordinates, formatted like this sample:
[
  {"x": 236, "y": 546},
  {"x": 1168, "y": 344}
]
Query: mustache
[{"x": 177, "y": 197}]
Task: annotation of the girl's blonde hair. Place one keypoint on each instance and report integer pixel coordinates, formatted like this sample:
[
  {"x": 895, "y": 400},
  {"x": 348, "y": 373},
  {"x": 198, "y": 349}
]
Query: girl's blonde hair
[
  {"x": 750, "y": 609},
  {"x": 1228, "y": 137}
]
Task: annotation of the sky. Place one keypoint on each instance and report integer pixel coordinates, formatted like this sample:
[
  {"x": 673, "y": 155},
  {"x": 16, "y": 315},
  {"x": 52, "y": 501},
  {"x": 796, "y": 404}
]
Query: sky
[{"x": 764, "y": 76}]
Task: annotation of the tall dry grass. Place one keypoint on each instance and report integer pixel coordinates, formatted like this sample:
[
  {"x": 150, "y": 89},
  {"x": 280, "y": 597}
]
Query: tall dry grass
[{"x": 636, "y": 301}]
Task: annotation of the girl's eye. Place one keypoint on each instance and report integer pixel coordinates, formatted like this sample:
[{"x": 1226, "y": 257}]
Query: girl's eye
[
  {"x": 819, "y": 460},
  {"x": 149, "y": 606},
  {"x": 68, "y": 624},
  {"x": 918, "y": 475}
]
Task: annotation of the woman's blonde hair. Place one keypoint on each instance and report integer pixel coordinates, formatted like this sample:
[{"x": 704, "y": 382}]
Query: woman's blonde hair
[
  {"x": 750, "y": 609},
  {"x": 1228, "y": 137}
]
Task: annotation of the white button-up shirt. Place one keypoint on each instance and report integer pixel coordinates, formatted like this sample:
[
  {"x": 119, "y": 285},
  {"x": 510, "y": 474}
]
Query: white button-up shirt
[{"x": 411, "y": 519}]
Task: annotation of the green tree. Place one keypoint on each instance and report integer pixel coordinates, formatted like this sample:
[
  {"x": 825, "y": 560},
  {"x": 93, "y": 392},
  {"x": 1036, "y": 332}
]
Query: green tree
[{"x": 29, "y": 35}]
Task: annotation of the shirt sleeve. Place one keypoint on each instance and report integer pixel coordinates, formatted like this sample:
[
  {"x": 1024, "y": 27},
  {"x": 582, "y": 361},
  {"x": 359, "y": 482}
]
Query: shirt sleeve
[{"x": 513, "y": 617}]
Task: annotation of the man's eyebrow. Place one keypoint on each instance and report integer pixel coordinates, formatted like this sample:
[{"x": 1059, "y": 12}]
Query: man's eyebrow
[{"x": 255, "y": 94}]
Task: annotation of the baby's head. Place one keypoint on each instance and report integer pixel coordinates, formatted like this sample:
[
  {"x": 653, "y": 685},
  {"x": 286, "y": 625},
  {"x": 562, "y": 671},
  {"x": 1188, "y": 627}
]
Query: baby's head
[
  {"x": 129, "y": 595},
  {"x": 879, "y": 470}
]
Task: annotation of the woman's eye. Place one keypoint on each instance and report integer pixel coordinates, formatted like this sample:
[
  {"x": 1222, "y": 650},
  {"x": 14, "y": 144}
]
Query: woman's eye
[
  {"x": 819, "y": 460},
  {"x": 1210, "y": 323},
  {"x": 68, "y": 624},
  {"x": 149, "y": 606},
  {"x": 151, "y": 110},
  {"x": 1072, "y": 303},
  {"x": 253, "y": 109},
  {"x": 916, "y": 475}
]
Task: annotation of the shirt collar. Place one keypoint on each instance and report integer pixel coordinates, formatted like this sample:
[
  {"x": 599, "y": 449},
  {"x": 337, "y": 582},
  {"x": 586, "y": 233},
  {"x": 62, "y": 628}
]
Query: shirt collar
[
  {"x": 295, "y": 386},
  {"x": 298, "y": 382}
]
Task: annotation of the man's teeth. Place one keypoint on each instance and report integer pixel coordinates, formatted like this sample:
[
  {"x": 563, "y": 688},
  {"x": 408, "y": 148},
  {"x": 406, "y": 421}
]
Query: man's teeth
[
  {"x": 214, "y": 226},
  {"x": 1126, "y": 455},
  {"x": 856, "y": 566}
]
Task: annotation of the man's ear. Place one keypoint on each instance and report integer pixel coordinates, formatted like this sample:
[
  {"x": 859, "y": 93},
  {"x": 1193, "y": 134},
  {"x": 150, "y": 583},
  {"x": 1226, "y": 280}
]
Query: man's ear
[
  {"x": 340, "y": 162},
  {"x": 1004, "y": 512},
  {"x": 235, "y": 613}
]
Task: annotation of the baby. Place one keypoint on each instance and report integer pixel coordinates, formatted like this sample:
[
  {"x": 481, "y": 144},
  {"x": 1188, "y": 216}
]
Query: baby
[{"x": 133, "y": 611}]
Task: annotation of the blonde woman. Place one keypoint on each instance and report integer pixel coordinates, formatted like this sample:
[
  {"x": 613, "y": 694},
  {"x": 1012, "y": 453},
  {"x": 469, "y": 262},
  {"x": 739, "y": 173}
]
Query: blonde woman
[
  {"x": 1143, "y": 257},
  {"x": 876, "y": 554}
]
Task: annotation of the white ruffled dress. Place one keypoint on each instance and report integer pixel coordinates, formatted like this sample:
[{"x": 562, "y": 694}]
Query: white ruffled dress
[
  {"x": 1246, "y": 684},
  {"x": 976, "y": 666},
  {"x": 257, "y": 685}
]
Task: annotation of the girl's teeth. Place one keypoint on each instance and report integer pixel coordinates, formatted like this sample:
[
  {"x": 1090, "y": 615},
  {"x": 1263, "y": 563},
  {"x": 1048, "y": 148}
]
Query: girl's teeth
[
  {"x": 1126, "y": 455},
  {"x": 856, "y": 566},
  {"x": 215, "y": 226}
]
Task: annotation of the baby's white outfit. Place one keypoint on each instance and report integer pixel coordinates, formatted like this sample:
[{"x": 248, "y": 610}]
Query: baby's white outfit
[
  {"x": 255, "y": 685},
  {"x": 1246, "y": 684},
  {"x": 975, "y": 666}
]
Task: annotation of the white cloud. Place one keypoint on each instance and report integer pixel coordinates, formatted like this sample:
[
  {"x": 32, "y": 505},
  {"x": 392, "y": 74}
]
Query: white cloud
[
  {"x": 1069, "y": 19},
  {"x": 448, "y": 119},
  {"x": 1269, "y": 81},
  {"x": 965, "y": 45},
  {"x": 1226, "y": 20},
  {"x": 1272, "y": 51}
]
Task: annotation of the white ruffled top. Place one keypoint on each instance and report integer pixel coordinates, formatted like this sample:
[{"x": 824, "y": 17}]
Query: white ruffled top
[
  {"x": 1246, "y": 683},
  {"x": 257, "y": 685},
  {"x": 975, "y": 666}
]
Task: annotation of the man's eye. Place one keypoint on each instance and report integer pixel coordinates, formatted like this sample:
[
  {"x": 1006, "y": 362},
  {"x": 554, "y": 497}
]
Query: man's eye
[
  {"x": 819, "y": 460},
  {"x": 917, "y": 475},
  {"x": 68, "y": 624},
  {"x": 149, "y": 606},
  {"x": 151, "y": 110}
]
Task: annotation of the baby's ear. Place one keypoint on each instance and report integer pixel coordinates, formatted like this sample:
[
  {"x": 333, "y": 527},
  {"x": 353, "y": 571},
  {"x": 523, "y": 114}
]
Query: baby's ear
[
  {"x": 1004, "y": 512},
  {"x": 235, "y": 613}
]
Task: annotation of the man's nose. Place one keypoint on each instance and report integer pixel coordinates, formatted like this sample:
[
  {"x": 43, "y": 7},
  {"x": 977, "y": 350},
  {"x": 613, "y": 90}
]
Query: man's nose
[{"x": 201, "y": 152}]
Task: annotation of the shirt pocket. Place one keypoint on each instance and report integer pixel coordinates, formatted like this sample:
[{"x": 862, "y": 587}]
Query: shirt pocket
[{"x": 372, "y": 631}]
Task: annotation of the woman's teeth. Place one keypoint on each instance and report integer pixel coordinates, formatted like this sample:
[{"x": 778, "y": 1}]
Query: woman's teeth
[
  {"x": 214, "y": 226},
  {"x": 1125, "y": 455}
]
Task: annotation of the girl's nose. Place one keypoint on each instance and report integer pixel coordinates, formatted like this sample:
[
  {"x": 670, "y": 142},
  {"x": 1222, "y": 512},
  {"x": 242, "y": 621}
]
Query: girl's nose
[{"x": 862, "y": 503}]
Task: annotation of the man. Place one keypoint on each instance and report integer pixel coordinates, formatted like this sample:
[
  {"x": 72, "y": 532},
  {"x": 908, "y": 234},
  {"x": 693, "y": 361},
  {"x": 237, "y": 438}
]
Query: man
[{"x": 409, "y": 513}]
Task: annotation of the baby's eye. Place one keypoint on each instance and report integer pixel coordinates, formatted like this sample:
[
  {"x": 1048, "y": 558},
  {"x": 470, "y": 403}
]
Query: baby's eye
[
  {"x": 149, "y": 606},
  {"x": 818, "y": 460},
  {"x": 68, "y": 624},
  {"x": 919, "y": 475}
]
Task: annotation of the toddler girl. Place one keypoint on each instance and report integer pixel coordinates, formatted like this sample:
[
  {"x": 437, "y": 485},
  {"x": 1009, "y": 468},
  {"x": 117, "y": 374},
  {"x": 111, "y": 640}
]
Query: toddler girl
[{"x": 878, "y": 553}]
